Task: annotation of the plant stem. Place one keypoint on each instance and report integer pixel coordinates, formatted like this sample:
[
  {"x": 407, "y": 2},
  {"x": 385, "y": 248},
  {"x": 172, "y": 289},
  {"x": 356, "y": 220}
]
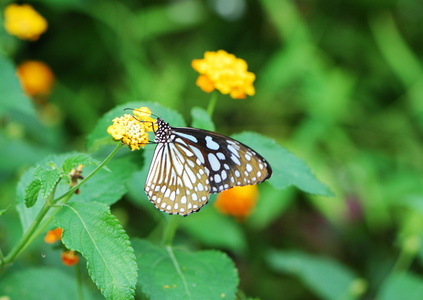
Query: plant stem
[
  {"x": 79, "y": 281},
  {"x": 170, "y": 230},
  {"x": 403, "y": 262},
  {"x": 23, "y": 242},
  {"x": 99, "y": 167},
  {"x": 212, "y": 103},
  {"x": 32, "y": 231}
]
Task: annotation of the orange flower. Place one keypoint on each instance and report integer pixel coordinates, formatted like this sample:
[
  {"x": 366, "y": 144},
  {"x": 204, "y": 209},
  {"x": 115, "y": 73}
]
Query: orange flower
[
  {"x": 133, "y": 130},
  {"x": 69, "y": 258},
  {"x": 36, "y": 78},
  {"x": 53, "y": 235},
  {"x": 238, "y": 201},
  {"x": 224, "y": 72},
  {"x": 24, "y": 22}
]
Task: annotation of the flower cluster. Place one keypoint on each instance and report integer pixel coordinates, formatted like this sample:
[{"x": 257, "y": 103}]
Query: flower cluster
[
  {"x": 36, "y": 78},
  {"x": 24, "y": 22},
  {"x": 224, "y": 72},
  {"x": 133, "y": 130},
  {"x": 238, "y": 201}
]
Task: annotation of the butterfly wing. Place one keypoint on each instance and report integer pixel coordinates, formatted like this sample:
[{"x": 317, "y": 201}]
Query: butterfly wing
[
  {"x": 227, "y": 162},
  {"x": 177, "y": 182}
]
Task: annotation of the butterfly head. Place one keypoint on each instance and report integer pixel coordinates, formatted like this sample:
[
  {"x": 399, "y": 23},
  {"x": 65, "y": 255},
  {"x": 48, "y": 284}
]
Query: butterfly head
[{"x": 163, "y": 134}]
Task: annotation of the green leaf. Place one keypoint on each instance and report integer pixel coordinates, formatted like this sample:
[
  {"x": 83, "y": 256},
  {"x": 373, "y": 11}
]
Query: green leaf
[
  {"x": 48, "y": 175},
  {"x": 168, "y": 273},
  {"x": 201, "y": 119},
  {"x": 99, "y": 137},
  {"x": 30, "y": 284},
  {"x": 78, "y": 159},
  {"x": 92, "y": 230},
  {"x": 27, "y": 215},
  {"x": 326, "y": 277},
  {"x": 222, "y": 231},
  {"x": 402, "y": 286},
  {"x": 272, "y": 203},
  {"x": 13, "y": 97},
  {"x": 108, "y": 186},
  {"x": 31, "y": 192},
  {"x": 287, "y": 168}
]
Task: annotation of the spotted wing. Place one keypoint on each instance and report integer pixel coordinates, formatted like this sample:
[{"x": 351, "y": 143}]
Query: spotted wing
[
  {"x": 177, "y": 182},
  {"x": 227, "y": 162}
]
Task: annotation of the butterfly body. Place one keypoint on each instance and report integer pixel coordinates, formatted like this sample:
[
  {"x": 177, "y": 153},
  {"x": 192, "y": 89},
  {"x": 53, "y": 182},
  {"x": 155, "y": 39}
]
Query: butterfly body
[{"x": 189, "y": 164}]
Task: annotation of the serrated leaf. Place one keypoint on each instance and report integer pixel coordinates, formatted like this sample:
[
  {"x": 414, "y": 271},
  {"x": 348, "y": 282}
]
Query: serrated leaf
[
  {"x": 402, "y": 286},
  {"x": 48, "y": 176},
  {"x": 30, "y": 284},
  {"x": 31, "y": 192},
  {"x": 287, "y": 168},
  {"x": 78, "y": 159},
  {"x": 26, "y": 215},
  {"x": 92, "y": 230},
  {"x": 168, "y": 273},
  {"x": 326, "y": 277},
  {"x": 99, "y": 135},
  {"x": 201, "y": 119}
]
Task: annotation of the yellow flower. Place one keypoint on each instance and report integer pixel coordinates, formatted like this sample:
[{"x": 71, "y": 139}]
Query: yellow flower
[
  {"x": 53, "y": 235},
  {"x": 24, "y": 22},
  {"x": 36, "y": 78},
  {"x": 133, "y": 130},
  {"x": 238, "y": 201},
  {"x": 224, "y": 72}
]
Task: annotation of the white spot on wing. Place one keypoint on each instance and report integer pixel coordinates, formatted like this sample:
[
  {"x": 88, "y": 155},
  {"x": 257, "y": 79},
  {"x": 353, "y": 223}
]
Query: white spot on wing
[
  {"x": 217, "y": 178},
  {"x": 187, "y": 136},
  {"x": 214, "y": 162},
  {"x": 235, "y": 159},
  {"x": 220, "y": 155},
  {"x": 211, "y": 144}
]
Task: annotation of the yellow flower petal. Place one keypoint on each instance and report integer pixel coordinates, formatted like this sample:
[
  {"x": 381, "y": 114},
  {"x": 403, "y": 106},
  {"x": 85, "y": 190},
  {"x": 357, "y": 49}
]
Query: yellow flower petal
[
  {"x": 36, "y": 78},
  {"x": 224, "y": 72},
  {"x": 133, "y": 130},
  {"x": 24, "y": 22}
]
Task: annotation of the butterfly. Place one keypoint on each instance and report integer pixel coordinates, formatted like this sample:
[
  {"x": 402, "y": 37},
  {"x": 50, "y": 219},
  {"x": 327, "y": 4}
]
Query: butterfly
[{"x": 189, "y": 164}]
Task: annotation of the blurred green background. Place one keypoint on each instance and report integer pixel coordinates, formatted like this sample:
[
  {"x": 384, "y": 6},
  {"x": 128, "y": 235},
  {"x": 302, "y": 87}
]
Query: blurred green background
[{"x": 339, "y": 83}]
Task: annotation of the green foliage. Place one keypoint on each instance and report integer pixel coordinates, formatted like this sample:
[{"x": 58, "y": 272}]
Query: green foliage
[
  {"x": 11, "y": 90},
  {"x": 222, "y": 232},
  {"x": 76, "y": 160},
  {"x": 287, "y": 168},
  {"x": 31, "y": 193},
  {"x": 92, "y": 230},
  {"x": 32, "y": 283},
  {"x": 201, "y": 119},
  {"x": 329, "y": 279},
  {"x": 120, "y": 171},
  {"x": 48, "y": 175},
  {"x": 402, "y": 286},
  {"x": 169, "y": 273}
]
